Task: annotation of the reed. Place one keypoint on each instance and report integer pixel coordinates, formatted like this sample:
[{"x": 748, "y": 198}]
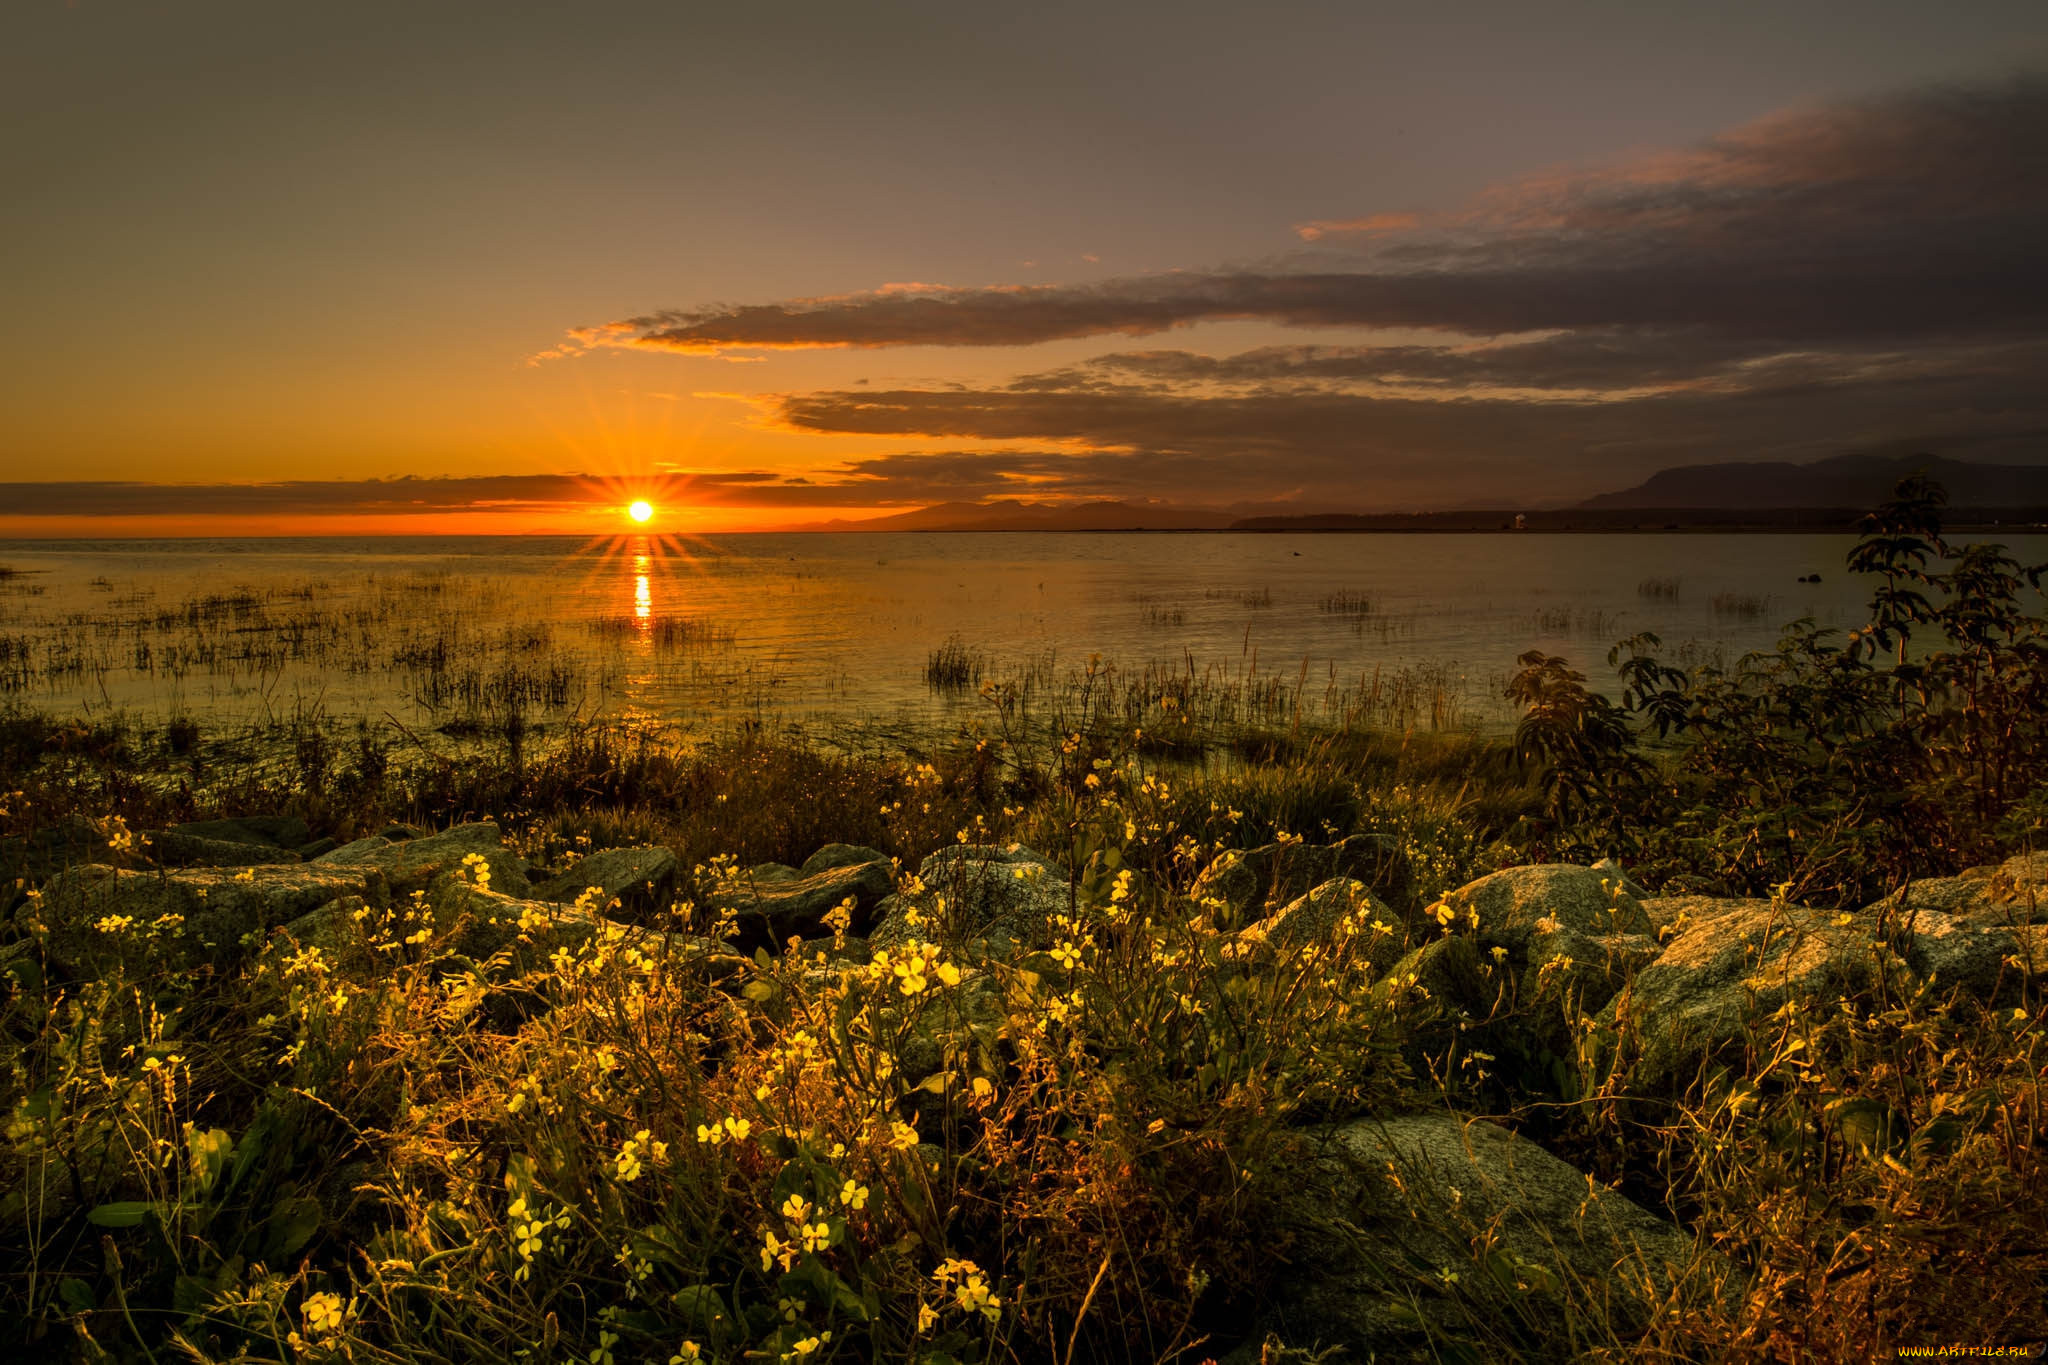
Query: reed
[
  {"x": 1346, "y": 603},
  {"x": 953, "y": 667},
  {"x": 1658, "y": 589}
]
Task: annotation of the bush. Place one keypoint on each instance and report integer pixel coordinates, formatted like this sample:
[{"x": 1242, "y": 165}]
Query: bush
[{"x": 1835, "y": 766}]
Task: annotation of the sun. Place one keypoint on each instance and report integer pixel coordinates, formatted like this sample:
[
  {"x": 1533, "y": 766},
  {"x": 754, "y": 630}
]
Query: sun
[{"x": 641, "y": 511}]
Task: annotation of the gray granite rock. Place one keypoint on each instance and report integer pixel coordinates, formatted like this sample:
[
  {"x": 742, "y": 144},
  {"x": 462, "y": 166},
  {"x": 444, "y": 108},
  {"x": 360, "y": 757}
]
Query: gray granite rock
[
  {"x": 1518, "y": 903},
  {"x": 642, "y": 880},
  {"x": 1249, "y": 881},
  {"x": 774, "y": 903},
  {"x": 980, "y": 896},
  {"x": 413, "y": 864},
  {"x": 1411, "y": 1233}
]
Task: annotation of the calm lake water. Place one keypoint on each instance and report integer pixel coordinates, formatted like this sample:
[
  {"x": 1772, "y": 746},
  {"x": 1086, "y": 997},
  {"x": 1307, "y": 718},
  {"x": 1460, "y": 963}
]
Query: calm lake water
[{"x": 832, "y": 634}]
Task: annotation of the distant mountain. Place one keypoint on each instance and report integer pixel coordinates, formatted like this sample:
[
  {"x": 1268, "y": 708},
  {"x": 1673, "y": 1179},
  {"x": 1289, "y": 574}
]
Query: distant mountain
[
  {"x": 1039, "y": 516},
  {"x": 1753, "y": 495},
  {"x": 1858, "y": 481}
]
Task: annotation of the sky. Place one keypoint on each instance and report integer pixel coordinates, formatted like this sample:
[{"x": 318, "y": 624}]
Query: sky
[{"x": 322, "y": 267}]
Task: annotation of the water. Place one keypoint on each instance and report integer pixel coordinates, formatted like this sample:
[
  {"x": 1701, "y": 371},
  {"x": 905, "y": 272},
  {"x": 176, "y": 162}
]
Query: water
[{"x": 830, "y": 633}]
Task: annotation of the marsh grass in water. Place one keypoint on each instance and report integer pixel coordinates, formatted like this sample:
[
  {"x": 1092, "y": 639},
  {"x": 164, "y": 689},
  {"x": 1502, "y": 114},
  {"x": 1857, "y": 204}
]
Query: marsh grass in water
[
  {"x": 953, "y": 667},
  {"x": 1664, "y": 589},
  {"x": 1346, "y": 604},
  {"x": 1592, "y": 622},
  {"x": 1159, "y": 614},
  {"x": 1746, "y": 606}
]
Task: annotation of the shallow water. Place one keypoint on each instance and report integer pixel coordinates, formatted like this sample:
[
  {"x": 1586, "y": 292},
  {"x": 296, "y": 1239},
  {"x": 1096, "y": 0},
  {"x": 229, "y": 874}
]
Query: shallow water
[{"x": 818, "y": 632}]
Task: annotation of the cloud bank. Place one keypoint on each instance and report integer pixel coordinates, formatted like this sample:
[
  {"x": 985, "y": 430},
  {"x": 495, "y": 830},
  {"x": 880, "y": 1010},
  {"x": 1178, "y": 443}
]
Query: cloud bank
[
  {"x": 1868, "y": 275},
  {"x": 1918, "y": 215}
]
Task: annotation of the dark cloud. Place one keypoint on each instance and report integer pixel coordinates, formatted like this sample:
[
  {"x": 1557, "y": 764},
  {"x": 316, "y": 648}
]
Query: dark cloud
[
  {"x": 1920, "y": 216},
  {"x": 1605, "y": 360},
  {"x": 1352, "y": 449},
  {"x": 564, "y": 493},
  {"x": 295, "y": 497}
]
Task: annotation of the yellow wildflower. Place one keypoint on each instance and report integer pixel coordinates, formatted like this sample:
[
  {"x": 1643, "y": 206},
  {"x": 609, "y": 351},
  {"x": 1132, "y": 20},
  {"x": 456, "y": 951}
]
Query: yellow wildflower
[{"x": 324, "y": 1314}]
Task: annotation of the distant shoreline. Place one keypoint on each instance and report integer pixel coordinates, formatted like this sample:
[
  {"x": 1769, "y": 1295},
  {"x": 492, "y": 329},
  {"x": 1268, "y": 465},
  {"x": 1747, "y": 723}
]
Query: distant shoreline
[{"x": 1562, "y": 521}]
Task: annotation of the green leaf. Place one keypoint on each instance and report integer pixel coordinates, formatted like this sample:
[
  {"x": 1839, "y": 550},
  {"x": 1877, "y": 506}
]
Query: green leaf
[
  {"x": 292, "y": 1223},
  {"x": 1937, "y": 1137},
  {"x": 190, "y": 1293},
  {"x": 210, "y": 1151},
  {"x": 76, "y": 1294},
  {"x": 127, "y": 1214},
  {"x": 1870, "y": 1125},
  {"x": 26, "y": 971},
  {"x": 702, "y": 1308}
]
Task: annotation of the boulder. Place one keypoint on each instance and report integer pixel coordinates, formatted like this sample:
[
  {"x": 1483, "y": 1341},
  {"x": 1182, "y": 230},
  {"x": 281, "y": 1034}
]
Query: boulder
[
  {"x": 1989, "y": 961},
  {"x": 1413, "y": 1234},
  {"x": 1315, "y": 917},
  {"x": 413, "y": 864},
  {"x": 842, "y": 855},
  {"x": 477, "y": 923},
  {"x": 40, "y": 854},
  {"x": 1610, "y": 870},
  {"x": 995, "y": 899},
  {"x": 642, "y": 880},
  {"x": 184, "y": 915},
  {"x": 1518, "y": 903},
  {"x": 774, "y": 903},
  {"x": 174, "y": 848},
  {"x": 1743, "y": 960},
  {"x": 1688, "y": 1007},
  {"x": 271, "y": 831},
  {"x": 1585, "y": 970},
  {"x": 2015, "y": 891},
  {"x": 1450, "y": 973},
  {"x": 1249, "y": 880},
  {"x": 953, "y": 1026},
  {"x": 1317, "y": 920},
  {"x": 239, "y": 842},
  {"x": 1673, "y": 915}
]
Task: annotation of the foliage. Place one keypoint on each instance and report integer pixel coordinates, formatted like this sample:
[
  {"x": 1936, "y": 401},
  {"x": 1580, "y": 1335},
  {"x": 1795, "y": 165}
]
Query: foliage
[
  {"x": 374, "y": 1141},
  {"x": 1837, "y": 766}
]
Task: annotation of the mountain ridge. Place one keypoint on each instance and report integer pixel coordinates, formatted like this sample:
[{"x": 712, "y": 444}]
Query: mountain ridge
[
  {"x": 1757, "y": 494},
  {"x": 1851, "y": 480}
]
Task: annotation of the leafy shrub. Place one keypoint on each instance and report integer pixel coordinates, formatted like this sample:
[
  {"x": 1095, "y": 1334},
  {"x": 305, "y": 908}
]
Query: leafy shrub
[{"x": 1834, "y": 766}]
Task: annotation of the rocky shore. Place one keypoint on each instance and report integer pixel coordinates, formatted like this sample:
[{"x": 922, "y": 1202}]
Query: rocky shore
[{"x": 1563, "y": 957}]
